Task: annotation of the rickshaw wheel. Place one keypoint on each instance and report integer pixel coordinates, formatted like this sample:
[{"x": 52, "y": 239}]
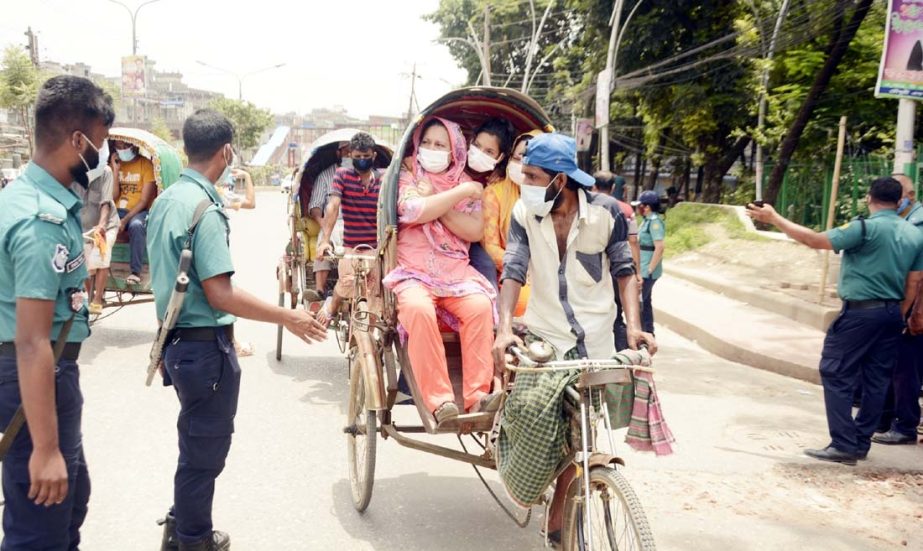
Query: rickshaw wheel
[
  {"x": 361, "y": 431},
  {"x": 616, "y": 517}
]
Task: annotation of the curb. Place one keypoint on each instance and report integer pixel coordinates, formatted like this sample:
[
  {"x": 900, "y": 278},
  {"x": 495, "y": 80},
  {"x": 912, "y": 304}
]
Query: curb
[
  {"x": 736, "y": 353},
  {"x": 812, "y": 315}
]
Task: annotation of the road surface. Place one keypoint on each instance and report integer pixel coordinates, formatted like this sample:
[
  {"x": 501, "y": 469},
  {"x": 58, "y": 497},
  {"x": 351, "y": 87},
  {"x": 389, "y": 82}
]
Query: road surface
[{"x": 737, "y": 479}]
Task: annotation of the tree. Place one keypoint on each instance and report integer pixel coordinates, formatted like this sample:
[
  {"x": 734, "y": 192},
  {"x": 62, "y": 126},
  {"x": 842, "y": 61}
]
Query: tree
[
  {"x": 249, "y": 120},
  {"x": 19, "y": 84},
  {"x": 160, "y": 129},
  {"x": 844, "y": 29}
]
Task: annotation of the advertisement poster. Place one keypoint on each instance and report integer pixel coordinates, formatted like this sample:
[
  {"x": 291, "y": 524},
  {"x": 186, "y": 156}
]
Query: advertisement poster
[
  {"x": 584, "y": 134},
  {"x": 603, "y": 90},
  {"x": 901, "y": 72},
  {"x": 134, "y": 76}
]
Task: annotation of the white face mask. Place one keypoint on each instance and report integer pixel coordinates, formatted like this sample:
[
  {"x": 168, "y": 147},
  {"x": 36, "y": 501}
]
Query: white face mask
[
  {"x": 479, "y": 161},
  {"x": 432, "y": 160},
  {"x": 514, "y": 171},
  {"x": 533, "y": 197},
  {"x": 126, "y": 155},
  {"x": 100, "y": 167}
]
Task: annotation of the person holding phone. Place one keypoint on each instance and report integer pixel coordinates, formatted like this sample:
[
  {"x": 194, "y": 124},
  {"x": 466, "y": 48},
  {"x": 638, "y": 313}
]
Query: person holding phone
[{"x": 881, "y": 269}]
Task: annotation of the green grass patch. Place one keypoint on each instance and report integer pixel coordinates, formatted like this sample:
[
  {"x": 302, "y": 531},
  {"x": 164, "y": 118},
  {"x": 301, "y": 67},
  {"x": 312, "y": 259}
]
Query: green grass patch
[{"x": 688, "y": 227}]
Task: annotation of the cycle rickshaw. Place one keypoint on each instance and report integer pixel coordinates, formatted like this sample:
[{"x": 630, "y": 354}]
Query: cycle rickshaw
[
  {"x": 167, "y": 167},
  {"x": 295, "y": 271},
  {"x": 609, "y": 515}
]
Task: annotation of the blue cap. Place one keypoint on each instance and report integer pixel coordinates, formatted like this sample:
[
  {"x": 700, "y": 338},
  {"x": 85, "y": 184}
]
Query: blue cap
[
  {"x": 649, "y": 198},
  {"x": 557, "y": 153}
]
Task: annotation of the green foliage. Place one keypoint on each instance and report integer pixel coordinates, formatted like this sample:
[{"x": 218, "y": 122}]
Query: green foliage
[
  {"x": 249, "y": 120},
  {"x": 688, "y": 225},
  {"x": 19, "y": 80},
  {"x": 159, "y": 128}
]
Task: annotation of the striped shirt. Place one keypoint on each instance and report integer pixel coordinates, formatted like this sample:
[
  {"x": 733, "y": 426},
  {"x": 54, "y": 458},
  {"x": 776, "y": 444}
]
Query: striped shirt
[{"x": 358, "y": 205}]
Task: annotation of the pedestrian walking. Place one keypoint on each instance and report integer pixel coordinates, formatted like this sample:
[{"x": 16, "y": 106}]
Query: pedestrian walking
[
  {"x": 199, "y": 358},
  {"x": 651, "y": 235},
  {"x": 882, "y": 261},
  {"x": 43, "y": 318},
  {"x": 902, "y": 403}
]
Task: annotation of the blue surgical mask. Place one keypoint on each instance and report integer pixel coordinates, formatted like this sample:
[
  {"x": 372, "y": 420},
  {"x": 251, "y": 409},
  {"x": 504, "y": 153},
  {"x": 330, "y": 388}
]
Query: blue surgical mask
[
  {"x": 126, "y": 155},
  {"x": 902, "y": 206}
]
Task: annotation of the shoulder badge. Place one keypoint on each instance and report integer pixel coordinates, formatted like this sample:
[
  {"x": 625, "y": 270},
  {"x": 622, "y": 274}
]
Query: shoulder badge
[
  {"x": 51, "y": 218},
  {"x": 59, "y": 260}
]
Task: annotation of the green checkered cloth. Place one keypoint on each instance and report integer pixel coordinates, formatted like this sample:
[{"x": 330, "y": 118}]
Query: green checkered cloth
[{"x": 534, "y": 432}]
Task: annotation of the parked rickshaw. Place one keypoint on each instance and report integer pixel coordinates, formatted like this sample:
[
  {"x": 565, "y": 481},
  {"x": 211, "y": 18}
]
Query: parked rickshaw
[
  {"x": 167, "y": 168},
  {"x": 295, "y": 271},
  {"x": 601, "y": 511}
]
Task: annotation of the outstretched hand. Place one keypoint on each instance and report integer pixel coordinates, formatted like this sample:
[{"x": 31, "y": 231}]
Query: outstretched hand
[
  {"x": 305, "y": 326},
  {"x": 765, "y": 214}
]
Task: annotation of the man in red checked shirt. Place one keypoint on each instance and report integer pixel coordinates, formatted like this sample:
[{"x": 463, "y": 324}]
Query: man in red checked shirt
[{"x": 356, "y": 191}]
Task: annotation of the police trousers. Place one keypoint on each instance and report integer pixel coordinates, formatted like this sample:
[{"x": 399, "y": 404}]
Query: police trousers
[
  {"x": 860, "y": 349},
  {"x": 206, "y": 377},
  {"x": 31, "y": 527},
  {"x": 902, "y": 407}
]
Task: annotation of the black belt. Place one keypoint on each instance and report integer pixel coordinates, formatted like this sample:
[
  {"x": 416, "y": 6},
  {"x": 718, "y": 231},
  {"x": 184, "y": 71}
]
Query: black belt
[
  {"x": 71, "y": 350},
  {"x": 648, "y": 248},
  {"x": 869, "y": 304},
  {"x": 202, "y": 334}
]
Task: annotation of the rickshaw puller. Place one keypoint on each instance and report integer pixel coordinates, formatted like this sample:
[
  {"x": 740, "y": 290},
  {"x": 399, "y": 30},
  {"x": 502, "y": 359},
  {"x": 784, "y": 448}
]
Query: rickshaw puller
[
  {"x": 199, "y": 359},
  {"x": 355, "y": 190},
  {"x": 573, "y": 244},
  {"x": 46, "y": 486}
]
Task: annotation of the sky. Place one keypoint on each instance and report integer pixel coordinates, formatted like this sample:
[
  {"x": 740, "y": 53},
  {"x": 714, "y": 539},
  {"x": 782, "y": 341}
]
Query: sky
[{"x": 354, "y": 53}]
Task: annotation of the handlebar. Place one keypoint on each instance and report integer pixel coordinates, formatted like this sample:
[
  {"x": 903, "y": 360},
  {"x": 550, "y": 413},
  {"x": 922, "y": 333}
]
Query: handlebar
[
  {"x": 339, "y": 253},
  {"x": 538, "y": 358}
]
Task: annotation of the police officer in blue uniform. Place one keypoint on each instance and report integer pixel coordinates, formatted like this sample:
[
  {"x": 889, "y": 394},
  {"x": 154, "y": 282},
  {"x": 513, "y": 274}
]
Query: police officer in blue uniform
[
  {"x": 902, "y": 407},
  {"x": 46, "y": 486},
  {"x": 880, "y": 255},
  {"x": 199, "y": 359}
]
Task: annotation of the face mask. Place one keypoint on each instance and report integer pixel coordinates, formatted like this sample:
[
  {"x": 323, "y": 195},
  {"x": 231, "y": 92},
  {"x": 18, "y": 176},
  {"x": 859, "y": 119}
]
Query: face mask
[
  {"x": 100, "y": 167},
  {"x": 126, "y": 155},
  {"x": 363, "y": 165},
  {"x": 227, "y": 169},
  {"x": 432, "y": 160},
  {"x": 514, "y": 172},
  {"x": 902, "y": 206},
  {"x": 479, "y": 161},
  {"x": 536, "y": 201},
  {"x": 82, "y": 176},
  {"x": 346, "y": 162}
]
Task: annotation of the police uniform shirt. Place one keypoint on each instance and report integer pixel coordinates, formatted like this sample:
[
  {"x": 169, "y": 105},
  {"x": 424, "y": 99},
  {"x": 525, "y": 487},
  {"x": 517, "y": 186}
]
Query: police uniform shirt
[
  {"x": 168, "y": 223},
  {"x": 652, "y": 229},
  {"x": 41, "y": 252},
  {"x": 876, "y": 268},
  {"x": 915, "y": 216}
]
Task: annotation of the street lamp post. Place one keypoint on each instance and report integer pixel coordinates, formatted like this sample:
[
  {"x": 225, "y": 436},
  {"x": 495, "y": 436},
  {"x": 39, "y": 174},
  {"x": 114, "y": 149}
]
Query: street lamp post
[
  {"x": 134, "y": 20},
  {"x": 240, "y": 77}
]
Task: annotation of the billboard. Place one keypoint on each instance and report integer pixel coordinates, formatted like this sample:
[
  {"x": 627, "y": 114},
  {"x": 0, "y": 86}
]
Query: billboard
[
  {"x": 900, "y": 74},
  {"x": 134, "y": 75},
  {"x": 584, "y": 134}
]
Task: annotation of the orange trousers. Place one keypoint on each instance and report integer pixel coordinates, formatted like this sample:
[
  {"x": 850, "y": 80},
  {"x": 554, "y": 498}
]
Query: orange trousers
[{"x": 416, "y": 310}]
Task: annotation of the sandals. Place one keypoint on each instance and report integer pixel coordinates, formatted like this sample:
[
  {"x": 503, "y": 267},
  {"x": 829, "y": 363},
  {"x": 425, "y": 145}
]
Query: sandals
[
  {"x": 488, "y": 403},
  {"x": 133, "y": 279},
  {"x": 324, "y": 316},
  {"x": 95, "y": 308},
  {"x": 448, "y": 411}
]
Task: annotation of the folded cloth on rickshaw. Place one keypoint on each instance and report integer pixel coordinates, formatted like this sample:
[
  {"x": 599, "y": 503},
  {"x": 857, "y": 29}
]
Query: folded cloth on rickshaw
[{"x": 533, "y": 431}]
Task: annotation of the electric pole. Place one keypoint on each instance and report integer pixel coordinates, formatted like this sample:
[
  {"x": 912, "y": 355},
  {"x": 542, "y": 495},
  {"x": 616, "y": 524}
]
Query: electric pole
[
  {"x": 764, "y": 89},
  {"x": 413, "y": 93},
  {"x": 32, "y": 46},
  {"x": 606, "y": 82},
  {"x": 903, "y": 141}
]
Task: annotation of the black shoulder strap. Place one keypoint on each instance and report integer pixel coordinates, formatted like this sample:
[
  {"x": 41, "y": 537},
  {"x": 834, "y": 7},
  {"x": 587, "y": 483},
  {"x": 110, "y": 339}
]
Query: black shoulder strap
[
  {"x": 862, "y": 241},
  {"x": 196, "y": 217}
]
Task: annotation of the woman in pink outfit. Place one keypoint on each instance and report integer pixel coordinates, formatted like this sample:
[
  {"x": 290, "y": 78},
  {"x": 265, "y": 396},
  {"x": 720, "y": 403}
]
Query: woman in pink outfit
[{"x": 439, "y": 215}]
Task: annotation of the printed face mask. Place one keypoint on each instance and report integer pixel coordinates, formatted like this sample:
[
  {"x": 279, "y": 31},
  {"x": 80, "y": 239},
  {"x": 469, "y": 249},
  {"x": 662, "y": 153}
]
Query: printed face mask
[{"x": 432, "y": 160}]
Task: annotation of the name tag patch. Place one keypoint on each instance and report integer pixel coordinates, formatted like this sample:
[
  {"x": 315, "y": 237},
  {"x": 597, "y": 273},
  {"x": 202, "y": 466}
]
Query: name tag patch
[{"x": 76, "y": 263}]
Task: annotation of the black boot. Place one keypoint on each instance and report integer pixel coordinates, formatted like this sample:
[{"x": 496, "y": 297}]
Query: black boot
[
  {"x": 169, "y": 542},
  {"x": 218, "y": 541}
]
